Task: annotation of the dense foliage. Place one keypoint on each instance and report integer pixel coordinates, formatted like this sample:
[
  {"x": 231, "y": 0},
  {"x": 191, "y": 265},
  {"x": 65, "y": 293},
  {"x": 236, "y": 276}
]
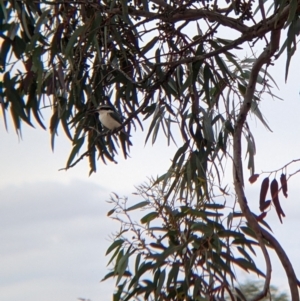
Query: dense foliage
[{"x": 182, "y": 66}]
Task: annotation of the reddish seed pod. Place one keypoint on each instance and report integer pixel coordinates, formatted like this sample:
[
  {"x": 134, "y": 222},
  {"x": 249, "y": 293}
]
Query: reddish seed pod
[
  {"x": 253, "y": 178},
  {"x": 283, "y": 182},
  {"x": 275, "y": 199},
  {"x": 265, "y": 205},
  {"x": 261, "y": 216},
  {"x": 263, "y": 192}
]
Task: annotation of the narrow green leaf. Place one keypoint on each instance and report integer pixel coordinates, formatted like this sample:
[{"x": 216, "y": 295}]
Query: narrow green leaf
[
  {"x": 202, "y": 227},
  {"x": 23, "y": 20},
  {"x": 244, "y": 264},
  {"x": 180, "y": 152},
  {"x": 172, "y": 276},
  {"x": 55, "y": 43},
  {"x": 206, "y": 77},
  {"x": 256, "y": 111},
  {"x": 228, "y": 233},
  {"x": 231, "y": 58},
  {"x": 157, "y": 246},
  {"x": 108, "y": 275},
  {"x": 292, "y": 12},
  {"x": 248, "y": 231},
  {"x": 125, "y": 11},
  {"x": 122, "y": 266},
  {"x": 243, "y": 241},
  {"x": 54, "y": 121},
  {"x": 33, "y": 104},
  {"x": 149, "y": 217},
  {"x": 144, "y": 267},
  {"x": 17, "y": 109},
  {"x": 73, "y": 39},
  {"x": 16, "y": 120},
  {"x": 65, "y": 126},
  {"x": 176, "y": 180},
  {"x": 42, "y": 20},
  {"x": 137, "y": 262},
  {"x": 117, "y": 254},
  {"x": 4, "y": 51},
  {"x": 245, "y": 254},
  {"x": 156, "y": 119},
  {"x": 114, "y": 245},
  {"x": 293, "y": 31},
  {"x": 156, "y": 129},
  {"x": 19, "y": 46},
  {"x": 197, "y": 65},
  {"x": 240, "y": 294},
  {"x": 77, "y": 145},
  {"x": 4, "y": 11},
  {"x": 215, "y": 206},
  {"x": 223, "y": 67},
  {"x": 187, "y": 83},
  {"x": 137, "y": 206},
  {"x": 197, "y": 289},
  {"x": 251, "y": 153},
  {"x": 160, "y": 283}
]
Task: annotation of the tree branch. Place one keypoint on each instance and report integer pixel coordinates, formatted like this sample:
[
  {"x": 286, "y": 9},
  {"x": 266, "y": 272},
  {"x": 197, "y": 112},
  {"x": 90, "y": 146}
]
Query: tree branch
[
  {"x": 264, "y": 58},
  {"x": 290, "y": 273}
]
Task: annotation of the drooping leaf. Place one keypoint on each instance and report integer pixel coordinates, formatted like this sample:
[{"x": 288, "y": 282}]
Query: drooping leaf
[
  {"x": 114, "y": 245},
  {"x": 283, "y": 182},
  {"x": 263, "y": 193},
  {"x": 275, "y": 198},
  {"x": 77, "y": 146}
]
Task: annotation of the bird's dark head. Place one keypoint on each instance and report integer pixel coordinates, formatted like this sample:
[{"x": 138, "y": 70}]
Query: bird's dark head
[{"x": 101, "y": 108}]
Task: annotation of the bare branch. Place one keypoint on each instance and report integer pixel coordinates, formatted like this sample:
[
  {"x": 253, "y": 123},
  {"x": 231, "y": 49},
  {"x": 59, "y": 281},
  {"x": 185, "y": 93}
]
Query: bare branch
[
  {"x": 291, "y": 276},
  {"x": 263, "y": 59}
]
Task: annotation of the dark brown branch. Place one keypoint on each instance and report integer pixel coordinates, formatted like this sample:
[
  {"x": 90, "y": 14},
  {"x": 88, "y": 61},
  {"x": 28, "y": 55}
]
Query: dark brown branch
[
  {"x": 256, "y": 31},
  {"x": 263, "y": 59},
  {"x": 212, "y": 16},
  {"x": 290, "y": 273},
  {"x": 187, "y": 15}
]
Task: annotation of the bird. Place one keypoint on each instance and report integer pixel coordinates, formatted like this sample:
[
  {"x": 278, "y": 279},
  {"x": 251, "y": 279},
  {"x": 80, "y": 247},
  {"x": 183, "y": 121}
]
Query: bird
[
  {"x": 112, "y": 120},
  {"x": 108, "y": 117}
]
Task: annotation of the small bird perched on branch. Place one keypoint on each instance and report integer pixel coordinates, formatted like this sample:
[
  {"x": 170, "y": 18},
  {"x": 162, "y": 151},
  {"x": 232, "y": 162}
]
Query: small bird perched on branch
[
  {"x": 112, "y": 120},
  {"x": 108, "y": 117}
]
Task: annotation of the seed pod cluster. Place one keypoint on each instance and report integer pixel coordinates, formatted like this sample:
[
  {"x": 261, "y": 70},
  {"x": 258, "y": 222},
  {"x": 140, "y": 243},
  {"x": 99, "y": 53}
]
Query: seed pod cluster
[
  {"x": 263, "y": 193},
  {"x": 283, "y": 182},
  {"x": 263, "y": 204},
  {"x": 275, "y": 199}
]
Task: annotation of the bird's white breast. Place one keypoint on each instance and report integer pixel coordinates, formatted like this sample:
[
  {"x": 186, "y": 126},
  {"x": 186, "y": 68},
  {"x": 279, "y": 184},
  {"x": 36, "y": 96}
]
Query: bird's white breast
[{"x": 108, "y": 121}]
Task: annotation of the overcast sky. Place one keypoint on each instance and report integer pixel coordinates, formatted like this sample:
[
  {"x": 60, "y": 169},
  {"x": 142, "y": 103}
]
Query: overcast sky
[{"x": 53, "y": 225}]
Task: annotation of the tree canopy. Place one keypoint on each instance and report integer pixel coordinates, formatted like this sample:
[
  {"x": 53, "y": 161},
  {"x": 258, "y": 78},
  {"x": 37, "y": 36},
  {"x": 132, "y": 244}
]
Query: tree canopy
[
  {"x": 182, "y": 66},
  {"x": 250, "y": 289}
]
